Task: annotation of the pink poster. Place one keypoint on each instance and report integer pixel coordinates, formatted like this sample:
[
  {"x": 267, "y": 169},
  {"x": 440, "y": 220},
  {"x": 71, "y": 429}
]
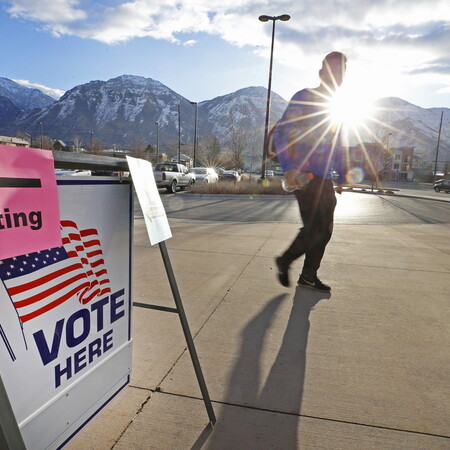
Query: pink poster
[{"x": 29, "y": 209}]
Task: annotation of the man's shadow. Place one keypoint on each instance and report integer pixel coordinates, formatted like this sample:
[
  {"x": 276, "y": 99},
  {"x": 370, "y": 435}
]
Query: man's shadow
[{"x": 280, "y": 390}]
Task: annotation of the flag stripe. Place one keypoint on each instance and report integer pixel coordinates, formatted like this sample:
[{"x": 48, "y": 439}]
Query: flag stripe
[
  {"x": 41, "y": 281},
  {"x": 32, "y": 284},
  {"x": 49, "y": 306},
  {"x": 51, "y": 290}
]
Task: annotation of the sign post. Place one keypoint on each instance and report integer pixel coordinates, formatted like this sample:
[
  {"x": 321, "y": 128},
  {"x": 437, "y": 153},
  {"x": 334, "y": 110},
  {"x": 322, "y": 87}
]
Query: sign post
[{"x": 158, "y": 230}]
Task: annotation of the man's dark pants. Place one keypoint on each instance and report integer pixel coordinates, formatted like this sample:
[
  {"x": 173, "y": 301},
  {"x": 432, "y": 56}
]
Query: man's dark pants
[{"x": 317, "y": 202}]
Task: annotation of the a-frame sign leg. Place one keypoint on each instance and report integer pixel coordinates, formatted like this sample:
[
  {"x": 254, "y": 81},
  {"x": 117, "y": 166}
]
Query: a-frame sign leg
[{"x": 187, "y": 331}]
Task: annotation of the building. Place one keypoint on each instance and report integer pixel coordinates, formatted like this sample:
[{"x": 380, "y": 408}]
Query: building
[
  {"x": 402, "y": 164},
  {"x": 395, "y": 163},
  {"x": 13, "y": 141},
  {"x": 184, "y": 159},
  {"x": 61, "y": 146}
]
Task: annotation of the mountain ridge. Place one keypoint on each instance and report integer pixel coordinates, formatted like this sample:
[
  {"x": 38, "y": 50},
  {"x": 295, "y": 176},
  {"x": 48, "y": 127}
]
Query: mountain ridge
[{"x": 125, "y": 109}]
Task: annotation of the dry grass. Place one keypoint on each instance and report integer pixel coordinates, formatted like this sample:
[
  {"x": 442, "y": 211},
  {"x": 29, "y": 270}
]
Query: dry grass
[{"x": 245, "y": 187}]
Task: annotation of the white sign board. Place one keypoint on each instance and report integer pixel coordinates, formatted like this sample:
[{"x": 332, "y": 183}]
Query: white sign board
[
  {"x": 65, "y": 315},
  {"x": 158, "y": 228}
]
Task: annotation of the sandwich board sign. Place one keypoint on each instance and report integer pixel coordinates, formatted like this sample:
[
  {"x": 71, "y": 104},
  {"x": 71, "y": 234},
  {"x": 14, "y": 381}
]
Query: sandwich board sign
[{"x": 65, "y": 314}]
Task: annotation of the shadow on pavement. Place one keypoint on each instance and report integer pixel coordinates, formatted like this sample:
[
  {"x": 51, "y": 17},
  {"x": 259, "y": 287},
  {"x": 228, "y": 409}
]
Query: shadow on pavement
[{"x": 263, "y": 411}]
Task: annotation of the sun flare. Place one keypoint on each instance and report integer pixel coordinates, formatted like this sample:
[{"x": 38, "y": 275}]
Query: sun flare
[{"x": 350, "y": 108}]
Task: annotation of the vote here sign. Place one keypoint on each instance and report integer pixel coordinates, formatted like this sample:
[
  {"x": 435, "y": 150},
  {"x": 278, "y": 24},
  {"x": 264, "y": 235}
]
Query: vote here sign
[
  {"x": 29, "y": 211},
  {"x": 65, "y": 314}
]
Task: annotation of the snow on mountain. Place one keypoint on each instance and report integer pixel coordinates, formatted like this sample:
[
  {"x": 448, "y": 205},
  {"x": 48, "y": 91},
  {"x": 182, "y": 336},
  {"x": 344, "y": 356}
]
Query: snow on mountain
[
  {"x": 24, "y": 98},
  {"x": 244, "y": 109},
  {"x": 119, "y": 111},
  {"x": 413, "y": 126},
  {"x": 124, "y": 110}
]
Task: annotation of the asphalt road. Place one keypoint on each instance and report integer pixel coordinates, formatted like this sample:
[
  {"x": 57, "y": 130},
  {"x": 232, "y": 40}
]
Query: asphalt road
[{"x": 352, "y": 208}]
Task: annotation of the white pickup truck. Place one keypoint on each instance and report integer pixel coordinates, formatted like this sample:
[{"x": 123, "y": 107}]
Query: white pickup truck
[{"x": 172, "y": 175}]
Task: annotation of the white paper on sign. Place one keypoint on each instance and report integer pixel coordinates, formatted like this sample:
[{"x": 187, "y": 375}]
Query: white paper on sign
[{"x": 152, "y": 208}]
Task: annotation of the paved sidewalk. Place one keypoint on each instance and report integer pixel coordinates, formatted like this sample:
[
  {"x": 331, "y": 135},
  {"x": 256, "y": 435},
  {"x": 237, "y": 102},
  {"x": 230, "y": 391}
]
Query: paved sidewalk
[{"x": 366, "y": 367}]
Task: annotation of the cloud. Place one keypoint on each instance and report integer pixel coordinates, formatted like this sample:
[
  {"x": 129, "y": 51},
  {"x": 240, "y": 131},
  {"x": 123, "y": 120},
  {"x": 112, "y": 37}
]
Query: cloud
[
  {"x": 54, "y": 93},
  {"x": 437, "y": 66},
  {"x": 47, "y": 11},
  {"x": 411, "y": 33}
]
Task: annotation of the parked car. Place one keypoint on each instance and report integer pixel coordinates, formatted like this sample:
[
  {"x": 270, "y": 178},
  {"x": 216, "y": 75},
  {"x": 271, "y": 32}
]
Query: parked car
[
  {"x": 205, "y": 175},
  {"x": 173, "y": 175},
  {"x": 270, "y": 173},
  {"x": 70, "y": 172},
  {"x": 442, "y": 185},
  {"x": 230, "y": 175},
  {"x": 279, "y": 172}
]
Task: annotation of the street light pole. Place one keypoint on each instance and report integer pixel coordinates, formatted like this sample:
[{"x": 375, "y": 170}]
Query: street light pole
[
  {"x": 179, "y": 133},
  {"x": 388, "y": 156},
  {"x": 42, "y": 133},
  {"x": 157, "y": 142},
  {"x": 195, "y": 131},
  {"x": 91, "y": 133},
  {"x": 437, "y": 149},
  {"x": 264, "y": 18}
]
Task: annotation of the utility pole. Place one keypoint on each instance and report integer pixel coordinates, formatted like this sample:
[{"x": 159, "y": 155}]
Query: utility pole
[
  {"x": 179, "y": 133},
  {"x": 195, "y": 132},
  {"x": 437, "y": 148},
  {"x": 157, "y": 142}
]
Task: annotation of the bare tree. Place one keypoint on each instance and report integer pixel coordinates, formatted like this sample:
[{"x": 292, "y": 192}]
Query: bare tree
[
  {"x": 97, "y": 147},
  {"x": 209, "y": 152},
  {"x": 138, "y": 149},
  {"x": 237, "y": 146},
  {"x": 77, "y": 142}
]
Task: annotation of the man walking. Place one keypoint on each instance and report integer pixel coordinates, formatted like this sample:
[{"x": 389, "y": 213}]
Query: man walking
[{"x": 307, "y": 144}]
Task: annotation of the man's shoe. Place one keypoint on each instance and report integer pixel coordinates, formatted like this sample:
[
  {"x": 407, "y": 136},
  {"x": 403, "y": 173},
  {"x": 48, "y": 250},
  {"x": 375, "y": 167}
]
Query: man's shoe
[
  {"x": 313, "y": 283},
  {"x": 283, "y": 271}
]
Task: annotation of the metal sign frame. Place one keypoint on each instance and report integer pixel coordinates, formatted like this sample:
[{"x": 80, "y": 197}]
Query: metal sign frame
[{"x": 10, "y": 436}]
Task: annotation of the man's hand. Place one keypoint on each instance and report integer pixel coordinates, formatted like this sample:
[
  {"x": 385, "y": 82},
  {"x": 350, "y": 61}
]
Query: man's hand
[
  {"x": 291, "y": 177},
  {"x": 338, "y": 189}
]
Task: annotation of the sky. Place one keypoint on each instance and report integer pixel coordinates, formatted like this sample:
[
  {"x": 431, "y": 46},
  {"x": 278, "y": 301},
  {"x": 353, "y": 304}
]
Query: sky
[{"x": 203, "y": 49}]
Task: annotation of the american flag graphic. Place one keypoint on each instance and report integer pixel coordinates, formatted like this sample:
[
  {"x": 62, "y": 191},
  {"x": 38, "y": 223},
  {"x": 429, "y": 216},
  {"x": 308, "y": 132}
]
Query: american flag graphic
[{"x": 40, "y": 281}]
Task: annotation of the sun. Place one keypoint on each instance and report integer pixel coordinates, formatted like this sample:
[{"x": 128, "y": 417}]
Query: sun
[{"x": 350, "y": 108}]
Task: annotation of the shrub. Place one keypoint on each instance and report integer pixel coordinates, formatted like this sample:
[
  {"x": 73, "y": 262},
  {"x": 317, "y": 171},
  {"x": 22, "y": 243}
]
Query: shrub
[{"x": 251, "y": 186}]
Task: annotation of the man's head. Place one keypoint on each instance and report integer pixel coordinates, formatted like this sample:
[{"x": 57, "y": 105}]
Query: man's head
[{"x": 333, "y": 70}]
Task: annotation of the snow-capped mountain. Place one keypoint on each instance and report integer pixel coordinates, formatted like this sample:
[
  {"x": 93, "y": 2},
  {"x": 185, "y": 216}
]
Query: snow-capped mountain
[
  {"x": 125, "y": 110},
  {"x": 244, "y": 109},
  {"x": 119, "y": 111},
  {"x": 413, "y": 126},
  {"x": 24, "y": 98}
]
